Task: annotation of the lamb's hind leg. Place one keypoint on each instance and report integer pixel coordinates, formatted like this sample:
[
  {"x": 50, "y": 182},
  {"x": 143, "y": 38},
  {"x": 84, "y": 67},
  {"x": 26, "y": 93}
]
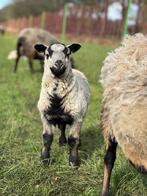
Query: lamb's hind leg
[
  {"x": 109, "y": 160},
  {"x": 16, "y": 62},
  {"x": 74, "y": 142},
  {"x": 62, "y": 138},
  {"x": 47, "y": 141}
]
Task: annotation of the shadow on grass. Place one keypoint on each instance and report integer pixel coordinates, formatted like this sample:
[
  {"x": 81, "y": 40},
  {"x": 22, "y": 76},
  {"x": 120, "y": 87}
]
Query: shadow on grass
[{"x": 92, "y": 139}]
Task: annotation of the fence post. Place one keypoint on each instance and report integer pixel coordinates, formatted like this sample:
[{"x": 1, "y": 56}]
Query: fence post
[
  {"x": 126, "y": 21},
  {"x": 30, "y": 21},
  {"x": 64, "y": 24},
  {"x": 43, "y": 17}
]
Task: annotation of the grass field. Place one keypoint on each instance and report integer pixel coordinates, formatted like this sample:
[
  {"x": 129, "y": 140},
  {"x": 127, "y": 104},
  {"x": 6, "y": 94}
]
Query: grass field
[{"x": 21, "y": 172}]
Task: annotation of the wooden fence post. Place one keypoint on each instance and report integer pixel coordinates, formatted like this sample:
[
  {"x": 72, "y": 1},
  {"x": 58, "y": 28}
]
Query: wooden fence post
[
  {"x": 64, "y": 24},
  {"x": 126, "y": 20},
  {"x": 43, "y": 17},
  {"x": 30, "y": 21}
]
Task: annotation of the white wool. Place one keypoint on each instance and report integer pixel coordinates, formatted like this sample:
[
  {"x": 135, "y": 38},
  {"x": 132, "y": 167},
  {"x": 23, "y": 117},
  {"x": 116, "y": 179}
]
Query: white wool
[
  {"x": 12, "y": 55},
  {"x": 57, "y": 47},
  {"x": 75, "y": 86}
]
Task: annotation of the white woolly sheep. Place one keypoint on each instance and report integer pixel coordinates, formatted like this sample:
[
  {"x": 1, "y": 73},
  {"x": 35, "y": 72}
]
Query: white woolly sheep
[
  {"x": 124, "y": 113},
  {"x": 63, "y": 99}
]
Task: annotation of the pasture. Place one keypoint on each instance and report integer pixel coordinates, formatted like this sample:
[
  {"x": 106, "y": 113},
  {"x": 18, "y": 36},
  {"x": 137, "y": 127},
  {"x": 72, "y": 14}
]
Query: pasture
[{"x": 21, "y": 172}]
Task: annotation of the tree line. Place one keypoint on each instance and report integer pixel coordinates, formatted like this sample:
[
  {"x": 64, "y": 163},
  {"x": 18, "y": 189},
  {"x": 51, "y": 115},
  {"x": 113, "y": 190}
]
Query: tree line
[{"x": 20, "y": 8}]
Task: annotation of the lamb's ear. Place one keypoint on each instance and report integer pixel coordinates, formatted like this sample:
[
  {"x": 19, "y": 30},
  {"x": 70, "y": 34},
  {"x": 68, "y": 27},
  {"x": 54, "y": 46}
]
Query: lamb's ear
[
  {"x": 74, "y": 47},
  {"x": 40, "y": 47}
]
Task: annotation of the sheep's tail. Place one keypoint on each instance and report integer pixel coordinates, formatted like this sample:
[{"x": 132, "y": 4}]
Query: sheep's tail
[{"x": 134, "y": 154}]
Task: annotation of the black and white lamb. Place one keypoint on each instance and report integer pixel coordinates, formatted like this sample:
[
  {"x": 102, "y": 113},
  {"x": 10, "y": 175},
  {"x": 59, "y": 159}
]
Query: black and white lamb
[{"x": 63, "y": 99}]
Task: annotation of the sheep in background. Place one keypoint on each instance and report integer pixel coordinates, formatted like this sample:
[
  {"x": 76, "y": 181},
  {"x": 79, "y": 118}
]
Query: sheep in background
[
  {"x": 63, "y": 99},
  {"x": 2, "y": 30},
  {"x": 124, "y": 113},
  {"x": 25, "y": 42}
]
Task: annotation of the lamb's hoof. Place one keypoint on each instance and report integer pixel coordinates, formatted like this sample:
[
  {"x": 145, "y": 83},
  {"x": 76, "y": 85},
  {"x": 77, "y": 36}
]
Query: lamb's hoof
[
  {"x": 62, "y": 141},
  {"x": 74, "y": 161},
  {"x": 105, "y": 193},
  {"x": 45, "y": 158}
]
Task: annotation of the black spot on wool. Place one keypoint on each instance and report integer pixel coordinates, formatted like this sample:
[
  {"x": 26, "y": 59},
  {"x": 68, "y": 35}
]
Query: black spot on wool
[
  {"x": 55, "y": 113},
  {"x": 56, "y": 105}
]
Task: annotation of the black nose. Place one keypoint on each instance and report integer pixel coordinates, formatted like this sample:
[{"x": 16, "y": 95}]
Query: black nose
[{"x": 58, "y": 63}]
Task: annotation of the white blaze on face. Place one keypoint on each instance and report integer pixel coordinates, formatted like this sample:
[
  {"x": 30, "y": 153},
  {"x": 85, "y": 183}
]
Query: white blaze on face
[
  {"x": 57, "y": 53},
  {"x": 57, "y": 47}
]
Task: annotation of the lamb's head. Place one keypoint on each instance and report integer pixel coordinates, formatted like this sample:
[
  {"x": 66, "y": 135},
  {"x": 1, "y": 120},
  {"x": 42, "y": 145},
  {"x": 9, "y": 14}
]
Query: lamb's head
[{"x": 57, "y": 57}]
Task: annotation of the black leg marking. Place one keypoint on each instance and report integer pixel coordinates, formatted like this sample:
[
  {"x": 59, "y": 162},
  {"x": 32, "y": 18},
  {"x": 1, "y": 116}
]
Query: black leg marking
[
  {"x": 18, "y": 46},
  {"x": 73, "y": 151},
  {"x": 47, "y": 141},
  {"x": 16, "y": 63},
  {"x": 31, "y": 65},
  {"x": 62, "y": 138},
  {"x": 109, "y": 160}
]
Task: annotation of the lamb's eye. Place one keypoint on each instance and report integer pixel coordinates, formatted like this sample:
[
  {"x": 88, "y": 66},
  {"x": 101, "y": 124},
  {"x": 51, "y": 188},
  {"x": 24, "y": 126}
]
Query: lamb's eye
[
  {"x": 47, "y": 56},
  {"x": 67, "y": 56}
]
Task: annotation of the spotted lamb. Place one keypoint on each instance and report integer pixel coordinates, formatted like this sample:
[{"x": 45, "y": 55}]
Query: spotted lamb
[
  {"x": 124, "y": 114},
  {"x": 63, "y": 99}
]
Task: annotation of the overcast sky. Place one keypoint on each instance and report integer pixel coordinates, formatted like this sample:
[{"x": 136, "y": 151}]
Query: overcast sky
[{"x": 3, "y": 3}]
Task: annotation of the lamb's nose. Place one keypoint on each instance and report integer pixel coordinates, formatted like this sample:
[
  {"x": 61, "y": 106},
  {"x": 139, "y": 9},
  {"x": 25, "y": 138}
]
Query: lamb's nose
[{"x": 58, "y": 64}]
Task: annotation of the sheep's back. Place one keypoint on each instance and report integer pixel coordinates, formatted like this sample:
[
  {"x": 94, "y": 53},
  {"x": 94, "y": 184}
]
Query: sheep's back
[
  {"x": 130, "y": 56},
  {"x": 32, "y": 36}
]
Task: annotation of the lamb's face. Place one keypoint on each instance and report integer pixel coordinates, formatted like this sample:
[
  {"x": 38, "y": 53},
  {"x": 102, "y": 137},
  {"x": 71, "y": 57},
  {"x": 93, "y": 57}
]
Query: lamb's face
[{"x": 57, "y": 57}]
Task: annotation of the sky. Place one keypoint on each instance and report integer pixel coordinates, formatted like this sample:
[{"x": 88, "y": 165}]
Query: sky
[{"x": 3, "y": 3}]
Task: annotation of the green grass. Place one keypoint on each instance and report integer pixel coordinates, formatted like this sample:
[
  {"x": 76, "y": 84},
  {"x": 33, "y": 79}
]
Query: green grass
[{"x": 21, "y": 172}]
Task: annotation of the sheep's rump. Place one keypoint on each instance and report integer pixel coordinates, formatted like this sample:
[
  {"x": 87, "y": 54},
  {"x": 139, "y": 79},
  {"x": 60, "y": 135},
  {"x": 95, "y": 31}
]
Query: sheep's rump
[{"x": 124, "y": 116}]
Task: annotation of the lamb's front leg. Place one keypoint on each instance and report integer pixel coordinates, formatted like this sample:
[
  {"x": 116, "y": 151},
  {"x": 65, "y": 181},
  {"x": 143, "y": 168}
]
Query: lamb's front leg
[
  {"x": 47, "y": 140},
  {"x": 74, "y": 142}
]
